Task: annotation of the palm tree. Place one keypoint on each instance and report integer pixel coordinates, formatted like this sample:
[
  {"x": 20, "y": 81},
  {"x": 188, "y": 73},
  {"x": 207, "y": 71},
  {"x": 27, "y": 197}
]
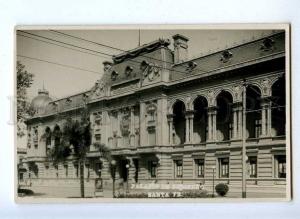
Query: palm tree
[{"x": 75, "y": 140}]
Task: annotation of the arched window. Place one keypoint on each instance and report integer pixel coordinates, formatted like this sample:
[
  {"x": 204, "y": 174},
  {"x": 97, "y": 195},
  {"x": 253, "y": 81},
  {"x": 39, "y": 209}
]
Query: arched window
[
  {"x": 253, "y": 114},
  {"x": 48, "y": 136},
  {"x": 57, "y": 135},
  {"x": 179, "y": 122},
  {"x": 200, "y": 119},
  {"x": 224, "y": 116}
]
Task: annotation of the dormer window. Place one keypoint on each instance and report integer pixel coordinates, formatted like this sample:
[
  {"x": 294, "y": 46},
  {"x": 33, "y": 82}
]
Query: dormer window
[
  {"x": 114, "y": 75},
  {"x": 85, "y": 97},
  {"x": 68, "y": 101},
  {"x": 226, "y": 56},
  {"x": 128, "y": 71},
  {"x": 191, "y": 66},
  {"x": 267, "y": 44}
]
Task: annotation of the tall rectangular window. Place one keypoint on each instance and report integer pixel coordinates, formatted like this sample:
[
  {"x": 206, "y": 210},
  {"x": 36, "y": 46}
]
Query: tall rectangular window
[
  {"x": 224, "y": 167},
  {"x": 199, "y": 167},
  {"x": 98, "y": 138},
  {"x": 257, "y": 128},
  {"x": 178, "y": 168},
  {"x": 252, "y": 165},
  {"x": 230, "y": 128},
  {"x": 280, "y": 166},
  {"x": 151, "y": 136},
  {"x": 21, "y": 177},
  {"x": 153, "y": 169},
  {"x": 88, "y": 171},
  {"x": 56, "y": 170},
  {"x": 76, "y": 166},
  {"x": 66, "y": 170},
  {"x": 98, "y": 168}
]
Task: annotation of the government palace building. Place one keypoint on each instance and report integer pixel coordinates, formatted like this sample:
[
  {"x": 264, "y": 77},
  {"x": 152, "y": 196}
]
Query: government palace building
[{"x": 174, "y": 120}]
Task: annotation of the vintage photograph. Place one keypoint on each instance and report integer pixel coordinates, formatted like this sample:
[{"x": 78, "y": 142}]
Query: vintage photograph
[{"x": 153, "y": 112}]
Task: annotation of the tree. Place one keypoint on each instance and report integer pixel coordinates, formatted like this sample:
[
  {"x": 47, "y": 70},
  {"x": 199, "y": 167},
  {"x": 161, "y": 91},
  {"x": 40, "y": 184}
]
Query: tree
[
  {"x": 24, "y": 81},
  {"x": 75, "y": 140}
]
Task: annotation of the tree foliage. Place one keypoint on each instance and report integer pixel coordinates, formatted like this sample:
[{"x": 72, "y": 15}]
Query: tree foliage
[
  {"x": 74, "y": 139},
  {"x": 24, "y": 81}
]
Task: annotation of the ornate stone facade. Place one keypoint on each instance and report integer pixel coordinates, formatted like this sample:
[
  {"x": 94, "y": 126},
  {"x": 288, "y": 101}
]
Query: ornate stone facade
[{"x": 153, "y": 104}]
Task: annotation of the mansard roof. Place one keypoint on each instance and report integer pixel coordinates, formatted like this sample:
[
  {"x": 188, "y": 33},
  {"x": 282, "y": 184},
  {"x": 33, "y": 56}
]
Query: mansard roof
[
  {"x": 222, "y": 58},
  {"x": 267, "y": 47}
]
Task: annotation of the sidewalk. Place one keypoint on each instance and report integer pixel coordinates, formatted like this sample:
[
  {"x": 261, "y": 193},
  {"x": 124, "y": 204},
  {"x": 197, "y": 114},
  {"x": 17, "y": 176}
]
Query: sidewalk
[{"x": 74, "y": 192}]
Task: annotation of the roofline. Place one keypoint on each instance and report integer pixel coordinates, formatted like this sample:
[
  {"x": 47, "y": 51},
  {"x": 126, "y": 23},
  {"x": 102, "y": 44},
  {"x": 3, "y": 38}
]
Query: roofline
[
  {"x": 160, "y": 41},
  {"x": 235, "y": 46}
]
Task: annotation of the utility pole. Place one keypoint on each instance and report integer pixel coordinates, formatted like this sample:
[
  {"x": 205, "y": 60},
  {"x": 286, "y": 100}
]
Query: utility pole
[{"x": 244, "y": 175}]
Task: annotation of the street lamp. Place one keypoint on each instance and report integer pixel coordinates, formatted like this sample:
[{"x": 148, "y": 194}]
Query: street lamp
[
  {"x": 113, "y": 174},
  {"x": 213, "y": 182},
  {"x": 127, "y": 173}
]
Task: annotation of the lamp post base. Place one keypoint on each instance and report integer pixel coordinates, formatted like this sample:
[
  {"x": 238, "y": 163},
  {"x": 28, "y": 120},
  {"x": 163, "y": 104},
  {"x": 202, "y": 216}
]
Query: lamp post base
[{"x": 243, "y": 194}]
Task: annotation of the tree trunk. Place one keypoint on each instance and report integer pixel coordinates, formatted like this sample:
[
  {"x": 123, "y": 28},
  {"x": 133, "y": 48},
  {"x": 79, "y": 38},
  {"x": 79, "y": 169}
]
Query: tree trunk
[{"x": 81, "y": 164}]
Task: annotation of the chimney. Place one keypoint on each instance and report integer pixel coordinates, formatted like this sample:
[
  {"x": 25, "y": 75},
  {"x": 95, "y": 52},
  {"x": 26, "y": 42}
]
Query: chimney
[{"x": 180, "y": 48}]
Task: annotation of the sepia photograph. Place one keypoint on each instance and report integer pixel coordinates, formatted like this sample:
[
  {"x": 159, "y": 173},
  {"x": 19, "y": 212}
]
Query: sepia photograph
[{"x": 153, "y": 113}]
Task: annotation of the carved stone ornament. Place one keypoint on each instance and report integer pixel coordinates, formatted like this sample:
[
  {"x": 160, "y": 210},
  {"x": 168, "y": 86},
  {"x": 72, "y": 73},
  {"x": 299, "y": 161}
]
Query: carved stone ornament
[
  {"x": 151, "y": 107},
  {"x": 99, "y": 88},
  {"x": 152, "y": 71},
  {"x": 98, "y": 119},
  {"x": 125, "y": 124},
  {"x": 210, "y": 97},
  {"x": 266, "y": 87},
  {"x": 237, "y": 93}
]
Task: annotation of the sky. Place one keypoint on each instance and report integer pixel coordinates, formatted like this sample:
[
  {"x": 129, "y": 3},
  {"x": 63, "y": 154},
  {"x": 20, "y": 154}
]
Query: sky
[{"x": 62, "y": 81}]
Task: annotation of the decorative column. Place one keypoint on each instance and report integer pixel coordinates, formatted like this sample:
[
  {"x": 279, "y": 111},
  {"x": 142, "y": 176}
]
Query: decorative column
[
  {"x": 237, "y": 120},
  {"x": 192, "y": 128},
  {"x": 189, "y": 116},
  {"x": 143, "y": 136},
  {"x": 187, "y": 129},
  {"x": 119, "y": 135},
  {"x": 132, "y": 130},
  {"x": 269, "y": 121},
  {"x": 266, "y": 117},
  {"x": 266, "y": 106},
  {"x": 170, "y": 124},
  {"x": 110, "y": 128},
  {"x": 240, "y": 121},
  {"x": 212, "y": 123},
  {"x": 209, "y": 121},
  {"x": 234, "y": 133}
]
